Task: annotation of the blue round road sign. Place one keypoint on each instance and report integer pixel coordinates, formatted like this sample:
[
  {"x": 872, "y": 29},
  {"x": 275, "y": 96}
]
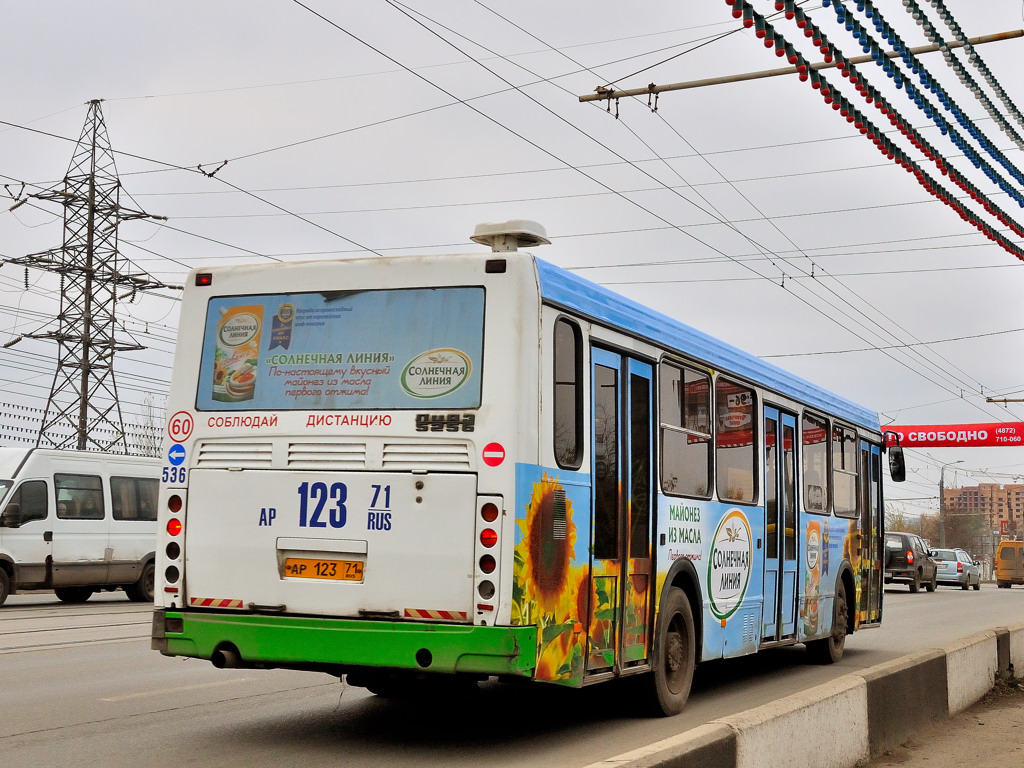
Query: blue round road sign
[{"x": 176, "y": 454}]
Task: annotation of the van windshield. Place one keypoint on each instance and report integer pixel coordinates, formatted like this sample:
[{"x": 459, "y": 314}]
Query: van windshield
[
  {"x": 381, "y": 349},
  {"x": 5, "y": 486}
]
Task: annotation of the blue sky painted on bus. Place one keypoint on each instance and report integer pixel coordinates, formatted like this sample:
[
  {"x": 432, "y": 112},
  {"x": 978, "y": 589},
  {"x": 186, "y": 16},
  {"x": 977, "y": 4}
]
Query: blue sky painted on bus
[{"x": 751, "y": 211}]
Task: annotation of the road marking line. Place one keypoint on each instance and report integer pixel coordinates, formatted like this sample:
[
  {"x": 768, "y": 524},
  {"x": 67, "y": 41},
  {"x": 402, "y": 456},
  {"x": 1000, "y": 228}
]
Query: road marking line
[{"x": 179, "y": 689}]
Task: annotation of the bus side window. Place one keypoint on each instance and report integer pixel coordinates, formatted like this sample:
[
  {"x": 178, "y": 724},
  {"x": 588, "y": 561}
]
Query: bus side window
[
  {"x": 568, "y": 395},
  {"x": 736, "y": 446},
  {"x": 844, "y": 470},
  {"x": 28, "y": 503},
  {"x": 84, "y": 494},
  {"x": 685, "y": 417},
  {"x": 814, "y": 436}
]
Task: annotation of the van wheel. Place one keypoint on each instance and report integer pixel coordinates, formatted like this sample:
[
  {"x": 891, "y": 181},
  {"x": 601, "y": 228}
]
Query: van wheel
[
  {"x": 5, "y": 585},
  {"x": 142, "y": 590},
  {"x": 73, "y": 594}
]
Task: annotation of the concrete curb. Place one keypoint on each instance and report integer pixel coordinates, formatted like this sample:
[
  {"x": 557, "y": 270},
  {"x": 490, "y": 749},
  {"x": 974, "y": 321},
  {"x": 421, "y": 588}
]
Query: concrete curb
[
  {"x": 890, "y": 719},
  {"x": 707, "y": 746},
  {"x": 835, "y": 713},
  {"x": 856, "y": 715}
]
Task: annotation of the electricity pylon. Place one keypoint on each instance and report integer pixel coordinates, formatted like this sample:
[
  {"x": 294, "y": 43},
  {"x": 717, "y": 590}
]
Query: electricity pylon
[{"x": 83, "y": 411}]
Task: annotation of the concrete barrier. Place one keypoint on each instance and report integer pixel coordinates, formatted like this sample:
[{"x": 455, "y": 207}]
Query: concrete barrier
[
  {"x": 824, "y": 726},
  {"x": 1016, "y": 647},
  {"x": 853, "y": 718},
  {"x": 706, "y": 746},
  {"x": 971, "y": 666},
  {"x": 903, "y": 695}
]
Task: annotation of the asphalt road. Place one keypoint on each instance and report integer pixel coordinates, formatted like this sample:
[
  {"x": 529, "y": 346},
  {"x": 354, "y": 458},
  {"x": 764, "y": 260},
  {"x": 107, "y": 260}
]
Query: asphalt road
[{"x": 81, "y": 686}]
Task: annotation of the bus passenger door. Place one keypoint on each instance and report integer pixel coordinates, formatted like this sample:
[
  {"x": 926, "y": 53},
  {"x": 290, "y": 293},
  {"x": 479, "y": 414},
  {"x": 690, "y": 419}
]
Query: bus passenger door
[
  {"x": 871, "y": 558},
  {"x": 778, "y": 614},
  {"x": 620, "y": 565}
]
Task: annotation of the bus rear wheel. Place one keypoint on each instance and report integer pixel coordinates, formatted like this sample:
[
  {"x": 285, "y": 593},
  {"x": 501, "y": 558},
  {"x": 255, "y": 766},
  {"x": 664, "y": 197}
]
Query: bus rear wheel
[
  {"x": 674, "y": 655},
  {"x": 830, "y": 649}
]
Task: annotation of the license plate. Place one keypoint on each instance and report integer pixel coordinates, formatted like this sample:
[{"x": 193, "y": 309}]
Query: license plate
[{"x": 315, "y": 568}]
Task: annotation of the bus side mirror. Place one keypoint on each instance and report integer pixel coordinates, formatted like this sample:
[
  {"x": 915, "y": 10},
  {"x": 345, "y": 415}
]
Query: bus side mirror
[{"x": 897, "y": 466}]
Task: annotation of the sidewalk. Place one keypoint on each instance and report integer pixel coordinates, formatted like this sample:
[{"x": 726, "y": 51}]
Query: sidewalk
[{"x": 990, "y": 734}]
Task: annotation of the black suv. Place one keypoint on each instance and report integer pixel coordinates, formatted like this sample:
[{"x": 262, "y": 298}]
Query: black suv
[{"x": 908, "y": 560}]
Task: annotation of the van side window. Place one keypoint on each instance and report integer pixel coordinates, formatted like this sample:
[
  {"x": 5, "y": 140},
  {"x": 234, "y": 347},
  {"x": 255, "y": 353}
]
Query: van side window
[
  {"x": 685, "y": 418},
  {"x": 28, "y": 503},
  {"x": 134, "y": 498},
  {"x": 79, "y": 497},
  {"x": 735, "y": 444}
]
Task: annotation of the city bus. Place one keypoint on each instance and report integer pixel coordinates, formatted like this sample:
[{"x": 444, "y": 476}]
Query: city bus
[{"x": 416, "y": 471}]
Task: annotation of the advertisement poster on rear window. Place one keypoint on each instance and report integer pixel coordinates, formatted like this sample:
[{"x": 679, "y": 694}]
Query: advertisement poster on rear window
[{"x": 385, "y": 349}]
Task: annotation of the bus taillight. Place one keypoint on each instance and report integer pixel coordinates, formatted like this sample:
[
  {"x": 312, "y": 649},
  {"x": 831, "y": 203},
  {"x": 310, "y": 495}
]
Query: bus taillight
[
  {"x": 489, "y": 522},
  {"x": 488, "y": 549},
  {"x": 489, "y": 512},
  {"x": 174, "y": 502},
  {"x": 174, "y": 526}
]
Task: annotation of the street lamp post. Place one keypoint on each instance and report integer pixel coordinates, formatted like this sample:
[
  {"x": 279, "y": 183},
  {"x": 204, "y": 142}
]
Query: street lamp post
[{"x": 942, "y": 501}]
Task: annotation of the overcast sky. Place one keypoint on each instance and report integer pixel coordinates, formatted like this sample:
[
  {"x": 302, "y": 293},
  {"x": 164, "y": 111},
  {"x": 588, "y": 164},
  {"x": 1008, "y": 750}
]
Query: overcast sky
[{"x": 752, "y": 210}]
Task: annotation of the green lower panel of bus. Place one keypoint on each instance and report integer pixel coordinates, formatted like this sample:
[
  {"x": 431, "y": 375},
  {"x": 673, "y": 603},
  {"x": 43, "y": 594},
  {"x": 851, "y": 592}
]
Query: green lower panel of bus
[{"x": 303, "y": 642}]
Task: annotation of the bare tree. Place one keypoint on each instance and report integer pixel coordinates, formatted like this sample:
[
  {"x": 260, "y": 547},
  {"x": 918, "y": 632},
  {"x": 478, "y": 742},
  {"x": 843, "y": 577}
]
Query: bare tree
[
  {"x": 147, "y": 433},
  {"x": 897, "y": 519}
]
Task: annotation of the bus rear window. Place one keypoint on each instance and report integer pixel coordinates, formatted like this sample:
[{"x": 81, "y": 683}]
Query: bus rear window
[{"x": 383, "y": 349}]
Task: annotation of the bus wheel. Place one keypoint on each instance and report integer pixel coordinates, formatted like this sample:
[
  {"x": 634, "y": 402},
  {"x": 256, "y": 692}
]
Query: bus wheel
[
  {"x": 73, "y": 594},
  {"x": 5, "y": 585},
  {"x": 674, "y": 654},
  {"x": 830, "y": 649},
  {"x": 142, "y": 590}
]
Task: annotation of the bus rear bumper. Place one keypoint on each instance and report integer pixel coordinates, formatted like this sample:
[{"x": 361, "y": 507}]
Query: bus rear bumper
[{"x": 336, "y": 645}]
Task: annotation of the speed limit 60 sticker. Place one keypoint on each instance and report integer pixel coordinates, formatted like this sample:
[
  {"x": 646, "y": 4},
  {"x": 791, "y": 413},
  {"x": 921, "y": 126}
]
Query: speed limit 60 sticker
[{"x": 179, "y": 426}]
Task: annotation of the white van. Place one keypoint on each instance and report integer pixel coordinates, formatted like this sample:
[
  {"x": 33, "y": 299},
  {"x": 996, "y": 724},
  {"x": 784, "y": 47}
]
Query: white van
[{"x": 77, "y": 522}]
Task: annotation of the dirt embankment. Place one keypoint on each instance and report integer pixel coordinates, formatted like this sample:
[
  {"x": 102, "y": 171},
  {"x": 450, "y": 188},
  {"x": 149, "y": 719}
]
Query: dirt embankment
[{"x": 989, "y": 734}]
